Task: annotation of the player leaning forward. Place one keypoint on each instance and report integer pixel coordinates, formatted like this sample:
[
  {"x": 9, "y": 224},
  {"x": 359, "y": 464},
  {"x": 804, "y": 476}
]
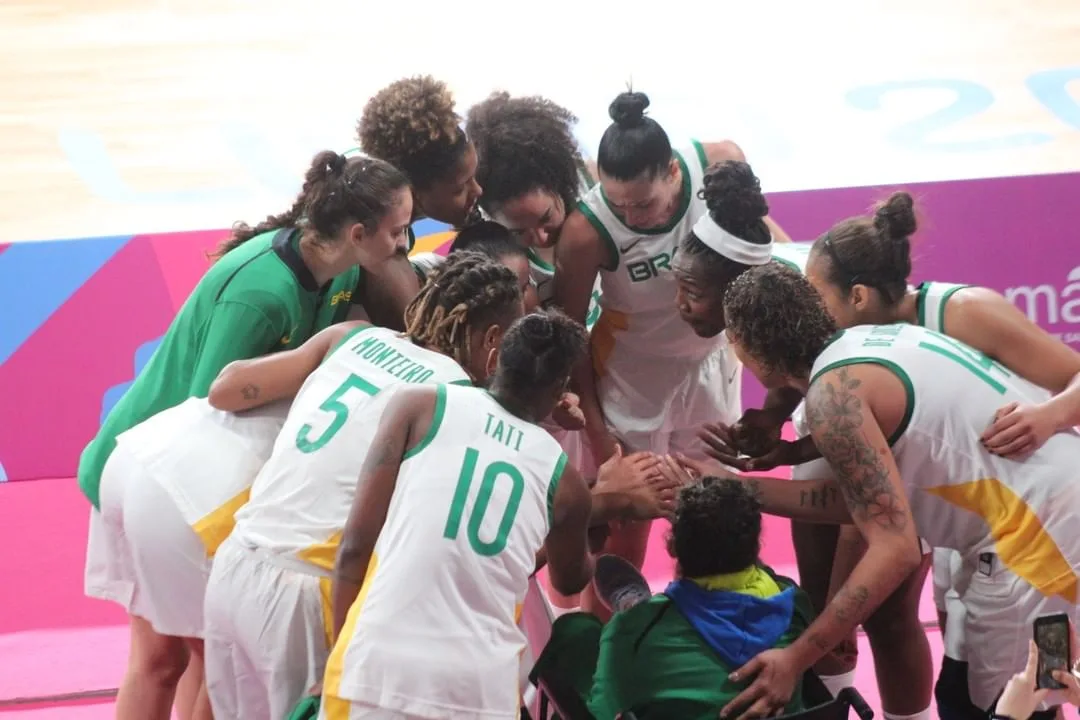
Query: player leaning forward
[{"x": 897, "y": 412}]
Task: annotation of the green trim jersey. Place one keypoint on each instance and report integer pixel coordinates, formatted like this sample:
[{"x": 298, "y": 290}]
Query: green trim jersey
[
  {"x": 301, "y": 498},
  {"x": 435, "y": 633},
  {"x": 792, "y": 254},
  {"x": 257, "y": 299},
  {"x": 638, "y": 287},
  {"x": 930, "y": 303},
  {"x": 962, "y": 496}
]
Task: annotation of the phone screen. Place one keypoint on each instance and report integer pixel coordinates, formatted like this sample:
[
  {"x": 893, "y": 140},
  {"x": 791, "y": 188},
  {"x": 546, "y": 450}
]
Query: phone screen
[{"x": 1052, "y": 639}]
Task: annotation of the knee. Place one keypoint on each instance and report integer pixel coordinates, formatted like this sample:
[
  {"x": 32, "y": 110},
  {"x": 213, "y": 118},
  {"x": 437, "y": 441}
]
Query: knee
[
  {"x": 841, "y": 659},
  {"x": 162, "y": 661},
  {"x": 893, "y": 625}
]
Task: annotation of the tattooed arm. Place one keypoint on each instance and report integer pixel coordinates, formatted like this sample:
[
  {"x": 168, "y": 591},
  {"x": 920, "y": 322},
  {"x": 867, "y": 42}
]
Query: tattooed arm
[
  {"x": 247, "y": 384},
  {"x": 815, "y": 500},
  {"x": 406, "y": 419},
  {"x": 841, "y": 409}
]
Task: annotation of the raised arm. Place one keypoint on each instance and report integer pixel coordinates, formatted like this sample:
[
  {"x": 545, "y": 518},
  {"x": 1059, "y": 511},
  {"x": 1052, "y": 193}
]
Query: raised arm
[
  {"x": 988, "y": 322},
  {"x": 841, "y": 409},
  {"x": 246, "y": 384},
  {"x": 405, "y": 420},
  {"x": 385, "y": 291},
  {"x": 579, "y": 256},
  {"x": 727, "y": 150},
  {"x": 570, "y": 566}
]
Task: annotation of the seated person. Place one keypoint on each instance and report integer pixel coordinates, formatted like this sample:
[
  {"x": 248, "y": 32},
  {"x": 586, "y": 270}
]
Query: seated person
[{"x": 722, "y": 610}]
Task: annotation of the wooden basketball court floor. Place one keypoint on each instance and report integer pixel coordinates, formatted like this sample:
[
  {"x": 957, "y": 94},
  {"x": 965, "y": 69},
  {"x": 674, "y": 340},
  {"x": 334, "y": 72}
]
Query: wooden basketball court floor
[{"x": 131, "y": 116}]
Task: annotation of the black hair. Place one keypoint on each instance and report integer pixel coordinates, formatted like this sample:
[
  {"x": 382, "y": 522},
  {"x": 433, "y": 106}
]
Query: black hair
[
  {"x": 524, "y": 144},
  {"x": 538, "y": 353},
  {"x": 733, "y": 197},
  {"x": 488, "y": 238},
  {"x": 633, "y": 146},
  {"x": 336, "y": 190},
  {"x": 469, "y": 291},
  {"x": 717, "y": 528},
  {"x": 874, "y": 251},
  {"x": 778, "y": 317},
  {"x": 412, "y": 124}
]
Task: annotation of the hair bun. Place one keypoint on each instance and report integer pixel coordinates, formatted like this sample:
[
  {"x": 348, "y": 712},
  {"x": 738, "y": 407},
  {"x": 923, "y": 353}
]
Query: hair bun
[
  {"x": 732, "y": 193},
  {"x": 628, "y": 109},
  {"x": 537, "y": 331},
  {"x": 895, "y": 218}
]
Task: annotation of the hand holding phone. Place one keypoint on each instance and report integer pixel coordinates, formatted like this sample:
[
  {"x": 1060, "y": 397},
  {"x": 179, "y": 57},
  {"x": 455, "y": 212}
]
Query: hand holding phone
[{"x": 1053, "y": 637}]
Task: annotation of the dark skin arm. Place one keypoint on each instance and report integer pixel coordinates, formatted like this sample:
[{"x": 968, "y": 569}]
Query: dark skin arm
[
  {"x": 991, "y": 324},
  {"x": 387, "y": 290},
  {"x": 579, "y": 255},
  {"x": 405, "y": 422},
  {"x": 847, "y": 409},
  {"x": 570, "y": 566},
  {"x": 246, "y": 384}
]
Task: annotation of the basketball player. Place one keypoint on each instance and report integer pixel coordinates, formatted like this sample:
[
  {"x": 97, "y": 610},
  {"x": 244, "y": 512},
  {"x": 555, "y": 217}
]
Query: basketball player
[
  {"x": 908, "y": 459},
  {"x": 530, "y": 161},
  {"x": 861, "y": 268},
  {"x": 266, "y": 629},
  {"x": 412, "y": 124},
  {"x": 184, "y": 472},
  {"x": 651, "y": 381},
  {"x": 497, "y": 243},
  {"x": 458, "y": 495},
  {"x": 272, "y": 287}
]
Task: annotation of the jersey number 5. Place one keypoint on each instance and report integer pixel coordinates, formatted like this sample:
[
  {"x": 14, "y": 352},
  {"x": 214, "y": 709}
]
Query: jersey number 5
[
  {"x": 338, "y": 409},
  {"x": 483, "y": 499}
]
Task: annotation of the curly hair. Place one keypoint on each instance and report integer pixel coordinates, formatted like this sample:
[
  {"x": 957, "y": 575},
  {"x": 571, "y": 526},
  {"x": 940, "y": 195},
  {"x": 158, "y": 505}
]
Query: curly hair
[
  {"x": 874, "y": 251},
  {"x": 733, "y": 197},
  {"x": 717, "y": 528},
  {"x": 524, "y": 144},
  {"x": 335, "y": 190},
  {"x": 469, "y": 291},
  {"x": 412, "y": 124},
  {"x": 539, "y": 351},
  {"x": 778, "y": 318}
]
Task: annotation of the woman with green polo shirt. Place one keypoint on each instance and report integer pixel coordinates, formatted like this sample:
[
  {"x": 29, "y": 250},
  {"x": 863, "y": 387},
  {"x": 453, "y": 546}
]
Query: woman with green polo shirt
[{"x": 272, "y": 287}]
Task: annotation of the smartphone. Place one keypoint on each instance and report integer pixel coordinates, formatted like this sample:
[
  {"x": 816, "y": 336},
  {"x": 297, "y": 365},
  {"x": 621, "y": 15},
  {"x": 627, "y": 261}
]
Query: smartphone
[{"x": 1053, "y": 638}]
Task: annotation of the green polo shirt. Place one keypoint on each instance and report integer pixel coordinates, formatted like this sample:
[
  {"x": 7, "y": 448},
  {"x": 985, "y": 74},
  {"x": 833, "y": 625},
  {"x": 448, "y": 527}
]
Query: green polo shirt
[{"x": 257, "y": 299}]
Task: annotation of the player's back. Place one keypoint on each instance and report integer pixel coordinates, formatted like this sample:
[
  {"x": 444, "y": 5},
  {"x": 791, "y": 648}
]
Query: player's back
[
  {"x": 301, "y": 498},
  {"x": 962, "y": 496},
  {"x": 435, "y": 627}
]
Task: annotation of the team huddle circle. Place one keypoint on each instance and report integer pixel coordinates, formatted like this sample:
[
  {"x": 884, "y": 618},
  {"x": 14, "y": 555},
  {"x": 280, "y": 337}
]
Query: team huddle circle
[{"x": 356, "y": 481}]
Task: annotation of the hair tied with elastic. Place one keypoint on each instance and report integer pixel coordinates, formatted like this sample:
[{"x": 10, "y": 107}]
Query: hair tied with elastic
[
  {"x": 336, "y": 163},
  {"x": 627, "y": 110},
  {"x": 537, "y": 331}
]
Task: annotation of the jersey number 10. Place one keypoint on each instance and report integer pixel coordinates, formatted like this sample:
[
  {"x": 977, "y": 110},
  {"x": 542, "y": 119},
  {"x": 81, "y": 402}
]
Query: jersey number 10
[{"x": 492, "y": 474}]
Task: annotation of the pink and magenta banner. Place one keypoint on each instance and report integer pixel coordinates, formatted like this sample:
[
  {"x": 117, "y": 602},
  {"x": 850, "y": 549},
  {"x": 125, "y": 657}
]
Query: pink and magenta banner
[{"x": 79, "y": 318}]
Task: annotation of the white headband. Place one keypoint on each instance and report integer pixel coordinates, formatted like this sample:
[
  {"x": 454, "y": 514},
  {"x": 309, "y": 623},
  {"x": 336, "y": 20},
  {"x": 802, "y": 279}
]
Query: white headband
[{"x": 733, "y": 248}]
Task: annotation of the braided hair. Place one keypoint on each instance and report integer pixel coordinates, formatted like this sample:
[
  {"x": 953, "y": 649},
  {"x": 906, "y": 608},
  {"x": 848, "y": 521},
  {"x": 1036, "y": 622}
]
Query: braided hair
[{"x": 468, "y": 292}]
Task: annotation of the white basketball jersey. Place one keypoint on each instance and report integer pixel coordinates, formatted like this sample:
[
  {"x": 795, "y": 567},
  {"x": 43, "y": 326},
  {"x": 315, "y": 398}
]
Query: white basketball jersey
[
  {"x": 206, "y": 459},
  {"x": 930, "y": 303},
  {"x": 434, "y": 632},
  {"x": 792, "y": 254},
  {"x": 962, "y": 496},
  {"x": 638, "y": 300},
  {"x": 301, "y": 498}
]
